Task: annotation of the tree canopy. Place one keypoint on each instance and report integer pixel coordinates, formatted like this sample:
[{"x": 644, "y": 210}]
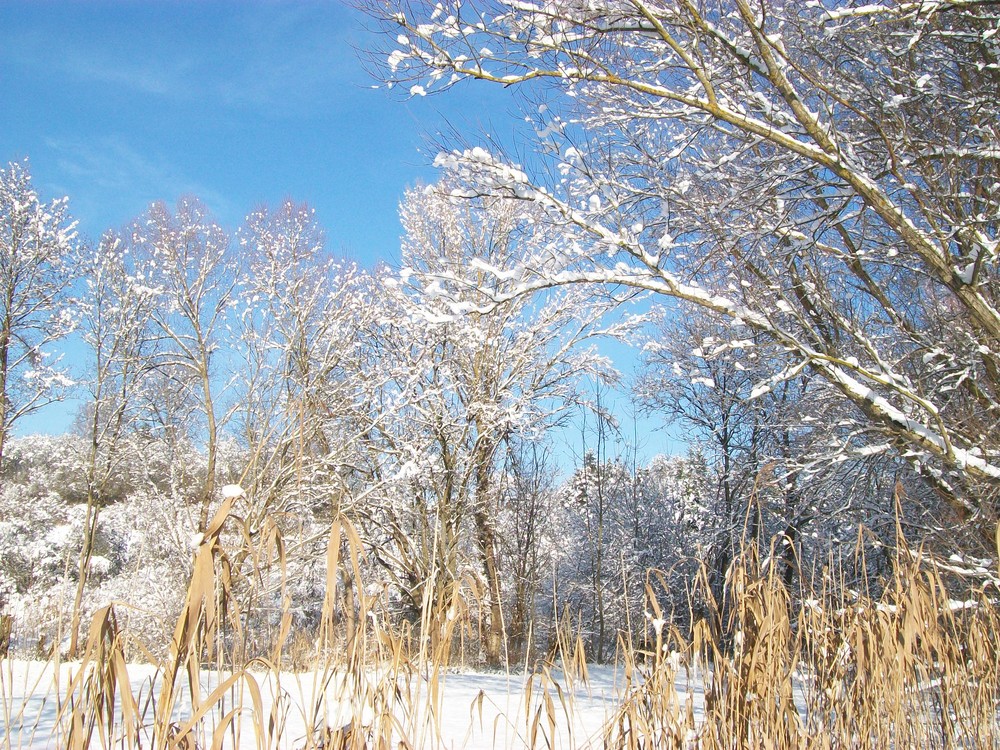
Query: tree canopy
[{"x": 822, "y": 176}]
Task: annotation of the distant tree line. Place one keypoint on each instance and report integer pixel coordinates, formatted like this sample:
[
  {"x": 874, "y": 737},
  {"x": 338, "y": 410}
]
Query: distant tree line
[{"x": 416, "y": 404}]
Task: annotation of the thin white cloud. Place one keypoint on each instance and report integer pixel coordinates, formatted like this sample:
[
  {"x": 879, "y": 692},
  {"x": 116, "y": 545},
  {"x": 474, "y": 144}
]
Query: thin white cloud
[
  {"x": 277, "y": 59},
  {"x": 176, "y": 80},
  {"x": 83, "y": 61},
  {"x": 118, "y": 180}
]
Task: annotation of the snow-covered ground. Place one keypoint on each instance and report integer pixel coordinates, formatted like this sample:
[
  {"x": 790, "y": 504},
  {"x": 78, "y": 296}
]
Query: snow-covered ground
[{"x": 476, "y": 710}]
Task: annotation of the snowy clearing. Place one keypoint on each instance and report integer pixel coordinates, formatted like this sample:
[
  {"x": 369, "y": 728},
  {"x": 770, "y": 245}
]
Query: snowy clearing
[{"x": 477, "y": 710}]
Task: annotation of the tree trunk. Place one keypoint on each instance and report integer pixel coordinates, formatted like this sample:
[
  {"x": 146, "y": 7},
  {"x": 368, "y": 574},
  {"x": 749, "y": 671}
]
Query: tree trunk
[
  {"x": 494, "y": 629},
  {"x": 6, "y": 626},
  {"x": 4, "y": 365},
  {"x": 211, "y": 449},
  {"x": 83, "y": 567},
  {"x": 486, "y": 536}
]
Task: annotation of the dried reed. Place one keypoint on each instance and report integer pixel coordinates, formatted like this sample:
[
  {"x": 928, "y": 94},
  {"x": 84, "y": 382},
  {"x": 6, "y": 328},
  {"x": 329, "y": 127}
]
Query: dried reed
[{"x": 834, "y": 667}]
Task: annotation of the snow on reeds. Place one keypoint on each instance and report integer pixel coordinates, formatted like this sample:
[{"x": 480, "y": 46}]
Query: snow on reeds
[{"x": 835, "y": 667}]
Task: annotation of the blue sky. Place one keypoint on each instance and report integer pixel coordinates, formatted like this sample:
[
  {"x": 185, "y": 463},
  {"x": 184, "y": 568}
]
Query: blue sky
[{"x": 119, "y": 104}]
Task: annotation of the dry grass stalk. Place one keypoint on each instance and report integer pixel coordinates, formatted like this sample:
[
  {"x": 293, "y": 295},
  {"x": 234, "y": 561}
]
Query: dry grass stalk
[
  {"x": 910, "y": 667},
  {"x": 101, "y": 690}
]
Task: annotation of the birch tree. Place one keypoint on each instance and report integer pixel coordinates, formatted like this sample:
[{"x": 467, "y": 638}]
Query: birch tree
[
  {"x": 36, "y": 243},
  {"x": 820, "y": 173}
]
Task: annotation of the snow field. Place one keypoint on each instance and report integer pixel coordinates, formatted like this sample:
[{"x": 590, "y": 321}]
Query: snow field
[{"x": 476, "y": 710}]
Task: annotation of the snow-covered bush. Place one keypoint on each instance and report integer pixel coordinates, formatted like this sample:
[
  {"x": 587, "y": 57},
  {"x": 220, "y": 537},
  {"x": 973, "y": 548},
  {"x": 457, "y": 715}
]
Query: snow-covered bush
[{"x": 44, "y": 464}]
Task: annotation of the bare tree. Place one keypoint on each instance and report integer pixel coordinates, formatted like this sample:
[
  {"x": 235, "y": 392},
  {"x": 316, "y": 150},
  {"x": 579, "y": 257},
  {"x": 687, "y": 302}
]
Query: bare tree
[
  {"x": 302, "y": 313},
  {"x": 116, "y": 315},
  {"x": 36, "y": 243},
  {"x": 693, "y": 375},
  {"x": 465, "y": 382},
  {"x": 187, "y": 259},
  {"x": 302, "y": 386},
  {"x": 525, "y": 524},
  {"x": 619, "y": 521}
]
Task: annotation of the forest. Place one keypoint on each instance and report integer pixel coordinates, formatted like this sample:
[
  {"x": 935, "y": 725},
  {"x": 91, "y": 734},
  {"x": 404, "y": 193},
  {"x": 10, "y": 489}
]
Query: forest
[
  {"x": 790, "y": 212},
  {"x": 326, "y": 391}
]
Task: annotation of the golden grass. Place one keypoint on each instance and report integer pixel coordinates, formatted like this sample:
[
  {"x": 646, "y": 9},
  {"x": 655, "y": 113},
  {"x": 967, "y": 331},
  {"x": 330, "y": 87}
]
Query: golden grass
[
  {"x": 838, "y": 667},
  {"x": 910, "y": 668}
]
